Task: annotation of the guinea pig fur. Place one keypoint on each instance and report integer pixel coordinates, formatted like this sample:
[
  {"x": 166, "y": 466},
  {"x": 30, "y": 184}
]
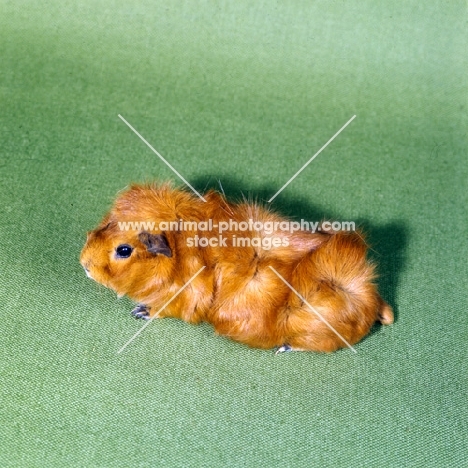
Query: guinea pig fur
[{"x": 237, "y": 292}]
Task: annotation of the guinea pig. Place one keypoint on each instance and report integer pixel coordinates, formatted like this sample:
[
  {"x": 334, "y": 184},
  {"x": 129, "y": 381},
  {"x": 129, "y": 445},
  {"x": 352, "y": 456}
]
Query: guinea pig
[{"x": 251, "y": 276}]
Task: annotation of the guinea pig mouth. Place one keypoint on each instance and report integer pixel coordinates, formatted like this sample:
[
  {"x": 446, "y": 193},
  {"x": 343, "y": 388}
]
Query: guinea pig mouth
[{"x": 88, "y": 274}]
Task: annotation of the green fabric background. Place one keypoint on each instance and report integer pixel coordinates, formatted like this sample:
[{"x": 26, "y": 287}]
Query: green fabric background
[{"x": 245, "y": 92}]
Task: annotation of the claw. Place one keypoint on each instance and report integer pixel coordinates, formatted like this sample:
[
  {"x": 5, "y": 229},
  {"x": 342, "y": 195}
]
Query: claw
[
  {"x": 141, "y": 312},
  {"x": 283, "y": 349}
]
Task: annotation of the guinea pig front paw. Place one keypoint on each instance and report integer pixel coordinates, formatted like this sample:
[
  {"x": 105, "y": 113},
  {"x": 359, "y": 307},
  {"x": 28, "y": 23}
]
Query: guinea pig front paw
[
  {"x": 283, "y": 349},
  {"x": 141, "y": 312}
]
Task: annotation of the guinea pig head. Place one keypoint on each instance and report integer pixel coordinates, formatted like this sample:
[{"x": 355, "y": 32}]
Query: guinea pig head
[{"x": 129, "y": 262}]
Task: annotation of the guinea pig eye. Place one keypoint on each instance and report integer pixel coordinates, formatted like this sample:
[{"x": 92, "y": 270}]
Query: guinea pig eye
[{"x": 123, "y": 251}]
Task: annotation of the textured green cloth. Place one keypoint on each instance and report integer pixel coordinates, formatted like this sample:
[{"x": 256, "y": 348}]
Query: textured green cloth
[{"x": 245, "y": 92}]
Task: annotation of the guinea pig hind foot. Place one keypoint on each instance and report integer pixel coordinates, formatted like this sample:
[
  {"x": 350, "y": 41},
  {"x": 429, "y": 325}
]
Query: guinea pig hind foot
[{"x": 141, "y": 311}]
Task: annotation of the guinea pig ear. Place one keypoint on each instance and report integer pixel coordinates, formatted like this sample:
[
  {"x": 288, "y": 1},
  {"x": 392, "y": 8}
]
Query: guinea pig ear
[{"x": 155, "y": 243}]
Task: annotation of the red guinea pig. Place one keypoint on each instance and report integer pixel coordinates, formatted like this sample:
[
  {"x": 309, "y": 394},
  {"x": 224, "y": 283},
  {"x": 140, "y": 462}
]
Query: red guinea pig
[{"x": 253, "y": 279}]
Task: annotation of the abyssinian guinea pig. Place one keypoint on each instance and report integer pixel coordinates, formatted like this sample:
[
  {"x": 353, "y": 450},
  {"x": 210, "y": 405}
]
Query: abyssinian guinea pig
[{"x": 252, "y": 278}]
